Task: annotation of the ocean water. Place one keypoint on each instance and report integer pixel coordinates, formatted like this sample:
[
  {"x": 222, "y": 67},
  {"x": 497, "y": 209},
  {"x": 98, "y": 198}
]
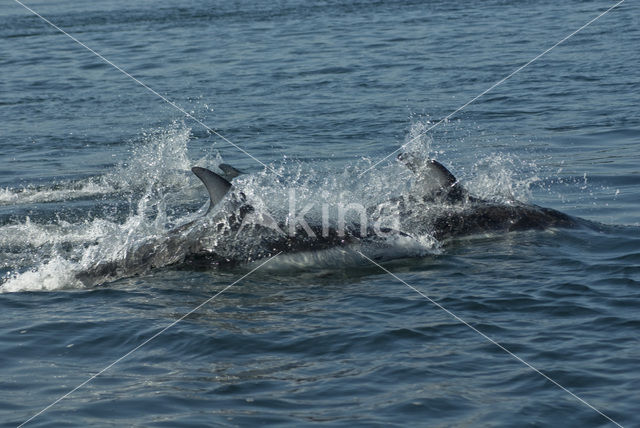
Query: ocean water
[{"x": 93, "y": 164}]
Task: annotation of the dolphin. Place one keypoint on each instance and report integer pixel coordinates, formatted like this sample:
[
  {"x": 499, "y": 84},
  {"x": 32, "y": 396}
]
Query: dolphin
[
  {"x": 215, "y": 238},
  {"x": 446, "y": 210},
  {"x": 437, "y": 205}
]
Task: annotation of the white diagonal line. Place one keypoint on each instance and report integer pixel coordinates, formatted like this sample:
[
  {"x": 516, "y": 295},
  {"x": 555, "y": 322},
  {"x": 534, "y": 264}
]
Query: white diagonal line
[
  {"x": 490, "y": 339},
  {"x": 498, "y": 83},
  {"x": 138, "y": 81},
  {"x": 149, "y": 339}
]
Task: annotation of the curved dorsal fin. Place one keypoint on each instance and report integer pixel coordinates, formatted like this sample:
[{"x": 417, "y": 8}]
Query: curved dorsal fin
[
  {"x": 229, "y": 172},
  {"x": 216, "y": 185},
  {"x": 440, "y": 173},
  {"x": 433, "y": 178}
]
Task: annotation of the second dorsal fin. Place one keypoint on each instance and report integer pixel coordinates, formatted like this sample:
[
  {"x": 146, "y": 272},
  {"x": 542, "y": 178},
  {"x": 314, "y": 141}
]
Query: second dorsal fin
[
  {"x": 216, "y": 185},
  {"x": 434, "y": 180},
  {"x": 229, "y": 172}
]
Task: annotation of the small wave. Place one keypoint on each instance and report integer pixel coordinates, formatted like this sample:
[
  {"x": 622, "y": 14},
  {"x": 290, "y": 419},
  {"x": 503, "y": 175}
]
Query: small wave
[
  {"x": 393, "y": 247},
  {"x": 159, "y": 159},
  {"x": 32, "y": 234},
  {"x": 61, "y": 192},
  {"x": 55, "y": 274}
]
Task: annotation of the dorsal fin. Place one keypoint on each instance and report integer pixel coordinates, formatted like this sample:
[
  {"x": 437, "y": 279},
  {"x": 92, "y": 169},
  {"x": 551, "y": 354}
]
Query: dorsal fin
[
  {"x": 434, "y": 180},
  {"x": 229, "y": 172},
  {"x": 216, "y": 185}
]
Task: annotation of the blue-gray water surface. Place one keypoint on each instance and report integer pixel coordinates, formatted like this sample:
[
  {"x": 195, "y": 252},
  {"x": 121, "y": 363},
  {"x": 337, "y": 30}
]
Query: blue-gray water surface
[{"x": 92, "y": 162}]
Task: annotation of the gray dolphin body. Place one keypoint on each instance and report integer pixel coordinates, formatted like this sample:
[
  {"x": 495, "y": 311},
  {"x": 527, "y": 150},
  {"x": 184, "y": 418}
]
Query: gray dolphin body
[
  {"x": 217, "y": 238},
  {"x": 485, "y": 217},
  {"x": 446, "y": 210},
  {"x": 437, "y": 205}
]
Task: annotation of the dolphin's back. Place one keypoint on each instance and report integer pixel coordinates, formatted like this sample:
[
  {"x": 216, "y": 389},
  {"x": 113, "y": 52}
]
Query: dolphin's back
[{"x": 482, "y": 217}]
